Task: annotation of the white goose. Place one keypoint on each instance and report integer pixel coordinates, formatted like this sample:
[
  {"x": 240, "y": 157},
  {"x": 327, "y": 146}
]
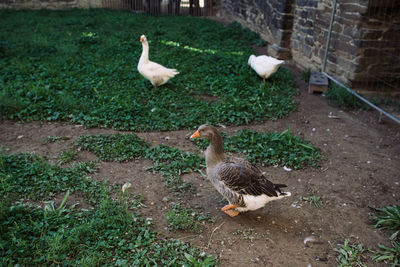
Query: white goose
[
  {"x": 154, "y": 72},
  {"x": 265, "y": 66}
]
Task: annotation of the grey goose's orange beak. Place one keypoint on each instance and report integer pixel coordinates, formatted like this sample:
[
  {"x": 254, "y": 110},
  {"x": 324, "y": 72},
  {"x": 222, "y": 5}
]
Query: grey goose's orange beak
[{"x": 196, "y": 134}]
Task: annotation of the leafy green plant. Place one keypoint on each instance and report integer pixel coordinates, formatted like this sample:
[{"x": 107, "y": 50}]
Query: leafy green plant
[
  {"x": 342, "y": 98},
  {"x": 30, "y": 176},
  {"x": 109, "y": 234},
  {"x": 388, "y": 218},
  {"x": 66, "y": 156},
  {"x": 388, "y": 254},
  {"x": 313, "y": 199},
  {"x": 105, "y": 236},
  {"x": 114, "y": 147},
  {"x": 171, "y": 162},
  {"x": 55, "y": 138},
  {"x": 350, "y": 254},
  {"x": 80, "y": 66},
  {"x": 305, "y": 76},
  {"x": 181, "y": 218},
  {"x": 273, "y": 148}
]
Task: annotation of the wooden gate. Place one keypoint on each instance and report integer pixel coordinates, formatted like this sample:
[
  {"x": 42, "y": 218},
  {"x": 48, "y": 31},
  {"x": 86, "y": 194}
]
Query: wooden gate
[{"x": 155, "y": 7}]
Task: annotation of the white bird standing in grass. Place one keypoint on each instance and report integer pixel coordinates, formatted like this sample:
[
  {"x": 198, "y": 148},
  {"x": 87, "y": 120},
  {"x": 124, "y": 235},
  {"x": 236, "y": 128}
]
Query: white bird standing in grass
[
  {"x": 265, "y": 66},
  {"x": 154, "y": 72}
]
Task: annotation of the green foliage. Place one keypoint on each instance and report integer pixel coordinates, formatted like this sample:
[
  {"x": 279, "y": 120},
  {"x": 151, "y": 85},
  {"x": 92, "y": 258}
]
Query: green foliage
[
  {"x": 114, "y": 147},
  {"x": 170, "y": 162},
  {"x": 55, "y": 138},
  {"x": 388, "y": 254},
  {"x": 80, "y": 66},
  {"x": 342, "y": 98},
  {"x": 350, "y": 254},
  {"x": 107, "y": 235},
  {"x": 181, "y": 218},
  {"x": 30, "y": 176},
  {"x": 272, "y": 148},
  {"x": 388, "y": 218},
  {"x": 315, "y": 200},
  {"x": 305, "y": 76},
  {"x": 66, "y": 156}
]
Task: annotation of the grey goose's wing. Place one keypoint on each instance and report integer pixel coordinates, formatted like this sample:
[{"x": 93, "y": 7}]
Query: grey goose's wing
[{"x": 245, "y": 180}]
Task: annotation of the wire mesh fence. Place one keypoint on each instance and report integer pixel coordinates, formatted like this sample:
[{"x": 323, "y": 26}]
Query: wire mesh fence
[
  {"x": 363, "y": 52},
  {"x": 155, "y": 7}
]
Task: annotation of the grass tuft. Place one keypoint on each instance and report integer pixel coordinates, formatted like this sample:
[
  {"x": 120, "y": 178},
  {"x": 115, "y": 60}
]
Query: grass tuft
[
  {"x": 388, "y": 218},
  {"x": 67, "y": 156},
  {"x": 313, "y": 199},
  {"x": 389, "y": 255},
  {"x": 350, "y": 254},
  {"x": 340, "y": 97},
  {"x": 181, "y": 218}
]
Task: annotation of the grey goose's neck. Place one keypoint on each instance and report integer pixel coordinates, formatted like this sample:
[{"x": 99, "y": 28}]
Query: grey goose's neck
[{"x": 215, "y": 152}]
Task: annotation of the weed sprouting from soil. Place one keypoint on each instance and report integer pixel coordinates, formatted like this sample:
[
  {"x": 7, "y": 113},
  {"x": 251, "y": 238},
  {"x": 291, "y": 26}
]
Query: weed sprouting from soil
[
  {"x": 314, "y": 200},
  {"x": 181, "y": 218},
  {"x": 350, "y": 254},
  {"x": 388, "y": 218}
]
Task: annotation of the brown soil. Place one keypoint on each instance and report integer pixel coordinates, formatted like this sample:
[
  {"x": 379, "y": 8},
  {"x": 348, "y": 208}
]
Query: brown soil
[{"x": 360, "y": 170}]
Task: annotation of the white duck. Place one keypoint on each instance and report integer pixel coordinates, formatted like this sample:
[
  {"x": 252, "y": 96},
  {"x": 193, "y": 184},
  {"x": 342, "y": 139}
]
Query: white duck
[
  {"x": 240, "y": 182},
  {"x": 265, "y": 66},
  {"x": 154, "y": 72}
]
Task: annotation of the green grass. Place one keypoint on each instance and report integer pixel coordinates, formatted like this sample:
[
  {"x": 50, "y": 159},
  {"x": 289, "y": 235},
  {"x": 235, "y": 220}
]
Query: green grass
[
  {"x": 54, "y": 138},
  {"x": 388, "y": 218},
  {"x": 114, "y": 147},
  {"x": 30, "y": 176},
  {"x": 305, "y": 75},
  {"x": 107, "y": 235},
  {"x": 389, "y": 255},
  {"x": 170, "y": 162},
  {"x": 313, "y": 199},
  {"x": 273, "y": 148},
  {"x": 181, "y": 218},
  {"x": 80, "y": 66},
  {"x": 67, "y": 156},
  {"x": 350, "y": 254},
  {"x": 340, "y": 97}
]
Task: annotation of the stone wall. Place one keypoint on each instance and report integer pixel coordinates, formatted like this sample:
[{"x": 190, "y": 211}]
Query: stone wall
[
  {"x": 310, "y": 31},
  {"x": 363, "y": 47},
  {"x": 272, "y": 19}
]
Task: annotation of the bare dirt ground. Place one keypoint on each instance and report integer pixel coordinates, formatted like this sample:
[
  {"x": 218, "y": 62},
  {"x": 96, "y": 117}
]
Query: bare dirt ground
[{"x": 360, "y": 169}]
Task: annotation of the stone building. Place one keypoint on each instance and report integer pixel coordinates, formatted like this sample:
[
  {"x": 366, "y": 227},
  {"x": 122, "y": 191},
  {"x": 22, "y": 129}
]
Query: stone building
[{"x": 364, "y": 49}]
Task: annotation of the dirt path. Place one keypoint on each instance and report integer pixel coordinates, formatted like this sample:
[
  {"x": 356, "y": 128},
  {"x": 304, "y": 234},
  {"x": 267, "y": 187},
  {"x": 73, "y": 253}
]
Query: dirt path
[{"x": 360, "y": 169}]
